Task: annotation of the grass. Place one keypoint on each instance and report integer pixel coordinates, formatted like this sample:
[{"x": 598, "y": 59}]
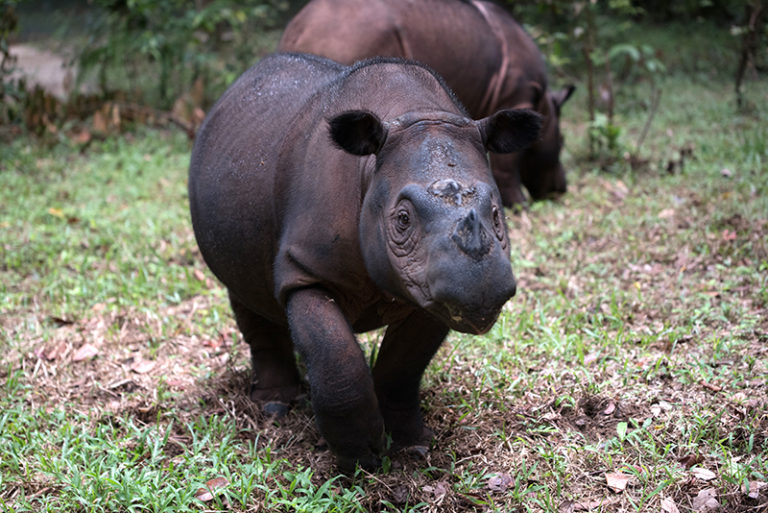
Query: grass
[{"x": 636, "y": 345}]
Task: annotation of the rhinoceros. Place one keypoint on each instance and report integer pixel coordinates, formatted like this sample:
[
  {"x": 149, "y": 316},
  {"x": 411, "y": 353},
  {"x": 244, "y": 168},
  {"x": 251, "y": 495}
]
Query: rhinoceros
[
  {"x": 488, "y": 59},
  {"x": 331, "y": 200}
]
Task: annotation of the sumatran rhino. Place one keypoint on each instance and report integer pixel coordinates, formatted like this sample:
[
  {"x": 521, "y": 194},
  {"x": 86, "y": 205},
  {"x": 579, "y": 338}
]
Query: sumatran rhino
[
  {"x": 331, "y": 200},
  {"x": 485, "y": 56}
]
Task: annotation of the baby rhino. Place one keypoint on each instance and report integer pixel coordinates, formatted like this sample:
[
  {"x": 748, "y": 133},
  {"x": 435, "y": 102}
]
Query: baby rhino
[{"x": 331, "y": 200}]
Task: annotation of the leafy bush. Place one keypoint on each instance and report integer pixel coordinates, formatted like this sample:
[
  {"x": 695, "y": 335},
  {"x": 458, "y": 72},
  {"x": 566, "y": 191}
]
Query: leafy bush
[
  {"x": 9, "y": 88},
  {"x": 152, "y": 51}
]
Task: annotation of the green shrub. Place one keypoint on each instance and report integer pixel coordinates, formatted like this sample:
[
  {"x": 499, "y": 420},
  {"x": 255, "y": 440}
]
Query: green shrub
[{"x": 152, "y": 51}]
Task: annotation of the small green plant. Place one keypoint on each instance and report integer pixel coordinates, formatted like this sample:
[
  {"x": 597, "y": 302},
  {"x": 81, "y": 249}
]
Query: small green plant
[{"x": 176, "y": 41}]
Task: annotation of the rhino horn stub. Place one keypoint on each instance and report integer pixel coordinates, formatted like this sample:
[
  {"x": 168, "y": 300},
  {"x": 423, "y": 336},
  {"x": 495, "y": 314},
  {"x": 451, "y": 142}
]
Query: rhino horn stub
[
  {"x": 471, "y": 237},
  {"x": 451, "y": 191}
]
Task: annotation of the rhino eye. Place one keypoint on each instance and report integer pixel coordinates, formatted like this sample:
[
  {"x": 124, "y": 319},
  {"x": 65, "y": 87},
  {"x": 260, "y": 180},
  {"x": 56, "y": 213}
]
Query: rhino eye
[
  {"x": 498, "y": 223},
  {"x": 401, "y": 228},
  {"x": 403, "y": 220}
]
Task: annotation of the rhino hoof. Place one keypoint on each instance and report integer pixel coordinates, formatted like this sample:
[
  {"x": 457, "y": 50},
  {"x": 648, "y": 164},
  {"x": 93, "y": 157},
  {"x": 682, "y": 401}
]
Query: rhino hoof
[
  {"x": 419, "y": 451},
  {"x": 276, "y": 409}
]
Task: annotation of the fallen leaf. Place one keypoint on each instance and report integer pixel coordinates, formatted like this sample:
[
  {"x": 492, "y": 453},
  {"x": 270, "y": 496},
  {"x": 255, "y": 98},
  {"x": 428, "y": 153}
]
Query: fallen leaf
[
  {"x": 706, "y": 500},
  {"x": 206, "y": 494},
  {"x": 690, "y": 460},
  {"x": 703, "y": 474},
  {"x": 729, "y": 235},
  {"x": 142, "y": 366},
  {"x": 439, "y": 490},
  {"x": 582, "y": 505},
  {"x": 754, "y": 489},
  {"x": 56, "y": 212},
  {"x": 86, "y": 352},
  {"x": 500, "y": 482},
  {"x": 589, "y": 505},
  {"x": 667, "y": 213},
  {"x": 711, "y": 386},
  {"x": 668, "y": 505},
  {"x": 52, "y": 352},
  {"x": 591, "y": 358},
  {"x": 617, "y": 481},
  {"x": 400, "y": 495},
  {"x": 199, "y": 274}
]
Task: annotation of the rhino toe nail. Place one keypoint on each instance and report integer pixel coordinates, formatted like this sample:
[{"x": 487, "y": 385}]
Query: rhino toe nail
[
  {"x": 275, "y": 408},
  {"x": 419, "y": 451}
]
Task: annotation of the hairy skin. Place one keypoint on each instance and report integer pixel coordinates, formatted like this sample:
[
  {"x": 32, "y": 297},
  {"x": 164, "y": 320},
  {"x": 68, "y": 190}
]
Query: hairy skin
[
  {"x": 333, "y": 200},
  {"x": 485, "y": 56}
]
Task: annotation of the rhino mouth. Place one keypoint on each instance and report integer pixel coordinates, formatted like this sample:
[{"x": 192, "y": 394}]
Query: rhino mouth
[{"x": 476, "y": 322}]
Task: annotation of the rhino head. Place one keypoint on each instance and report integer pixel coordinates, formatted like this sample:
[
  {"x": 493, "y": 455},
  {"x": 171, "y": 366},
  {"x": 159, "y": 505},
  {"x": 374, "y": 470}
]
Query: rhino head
[{"x": 432, "y": 228}]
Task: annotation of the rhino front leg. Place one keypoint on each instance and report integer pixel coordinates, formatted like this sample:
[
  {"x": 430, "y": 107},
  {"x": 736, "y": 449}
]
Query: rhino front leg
[
  {"x": 405, "y": 352},
  {"x": 275, "y": 381},
  {"x": 341, "y": 387}
]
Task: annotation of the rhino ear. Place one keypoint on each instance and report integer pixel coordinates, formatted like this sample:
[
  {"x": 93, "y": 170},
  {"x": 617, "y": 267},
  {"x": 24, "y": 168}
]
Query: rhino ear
[
  {"x": 358, "y": 132},
  {"x": 561, "y": 96},
  {"x": 510, "y": 130}
]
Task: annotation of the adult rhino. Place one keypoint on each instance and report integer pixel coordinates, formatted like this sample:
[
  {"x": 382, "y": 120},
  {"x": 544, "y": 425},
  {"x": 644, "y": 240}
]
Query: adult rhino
[
  {"x": 485, "y": 56},
  {"x": 331, "y": 200}
]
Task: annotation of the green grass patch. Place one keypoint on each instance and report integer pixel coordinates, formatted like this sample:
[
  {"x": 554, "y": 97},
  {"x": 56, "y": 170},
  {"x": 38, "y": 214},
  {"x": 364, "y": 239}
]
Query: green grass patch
[{"x": 636, "y": 346}]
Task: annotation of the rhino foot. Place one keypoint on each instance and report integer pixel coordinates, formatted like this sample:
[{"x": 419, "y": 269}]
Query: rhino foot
[
  {"x": 275, "y": 401},
  {"x": 277, "y": 409}
]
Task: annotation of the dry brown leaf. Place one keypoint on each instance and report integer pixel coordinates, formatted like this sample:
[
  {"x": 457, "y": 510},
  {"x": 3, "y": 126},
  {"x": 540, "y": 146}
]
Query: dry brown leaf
[
  {"x": 706, "y": 500},
  {"x": 56, "y": 212},
  {"x": 500, "y": 482},
  {"x": 690, "y": 460},
  {"x": 439, "y": 490},
  {"x": 199, "y": 274},
  {"x": 711, "y": 386},
  {"x": 86, "y": 352},
  {"x": 668, "y": 505},
  {"x": 617, "y": 481},
  {"x": 754, "y": 489},
  {"x": 142, "y": 366},
  {"x": 591, "y": 358},
  {"x": 583, "y": 505},
  {"x": 703, "y": 474},
  {"x": 206, "y": 494},
  {"x": 52, "y": 351},
  {"x": 667, "y": 213}
]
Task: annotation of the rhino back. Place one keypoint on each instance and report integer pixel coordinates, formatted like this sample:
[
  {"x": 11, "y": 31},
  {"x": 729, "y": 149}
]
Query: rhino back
[
  {"x": 451, "y": 36},
  {"x": 233, "y": 166}
]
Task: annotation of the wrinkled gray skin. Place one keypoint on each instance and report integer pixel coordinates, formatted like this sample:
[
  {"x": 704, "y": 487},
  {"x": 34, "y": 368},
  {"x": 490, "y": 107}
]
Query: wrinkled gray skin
[
  {"x": 455, "y": 39},
  {"x": 333, "y": 200}
]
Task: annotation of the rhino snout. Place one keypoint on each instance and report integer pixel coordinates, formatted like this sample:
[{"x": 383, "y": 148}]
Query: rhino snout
[{"x": 471, "y": 282}]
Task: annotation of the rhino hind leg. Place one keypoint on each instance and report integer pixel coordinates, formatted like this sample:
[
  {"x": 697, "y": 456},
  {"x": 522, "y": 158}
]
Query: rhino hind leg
[
  {"x": 405, "y": 352},
  {"x": 275, "y": 379}
]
